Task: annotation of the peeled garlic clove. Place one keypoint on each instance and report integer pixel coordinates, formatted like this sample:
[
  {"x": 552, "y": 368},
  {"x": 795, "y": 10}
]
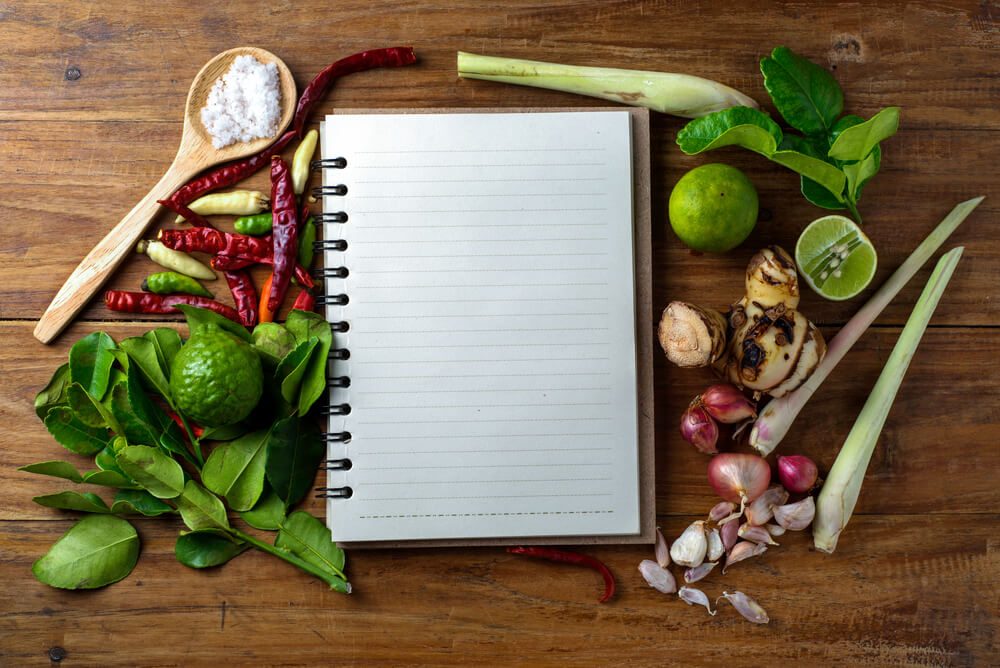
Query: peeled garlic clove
[
  {"x": 691, "y": 596},
  {"x": 796, "y": 516},
  {"x": 743, "y": 550},
  {"x": 721, "y": 510},
  {"x": 775, "y": 529},
  {"x": 715, "y": 547},
  {"x": 689, "y": 550},
  {"x": 658, "y": 577},
  {"x": 756, "y": 534},
  {"x": 699, "y": 572},
  {"x": 746, "y": 606},
  {"x": 662, "y": 551},
  {"x": 730, "y": 533},
  {"x": 762, "y": 509}
]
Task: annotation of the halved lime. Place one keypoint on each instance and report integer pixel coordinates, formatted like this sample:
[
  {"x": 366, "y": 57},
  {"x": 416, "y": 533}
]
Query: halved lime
[{"x": 835, "y": 257}]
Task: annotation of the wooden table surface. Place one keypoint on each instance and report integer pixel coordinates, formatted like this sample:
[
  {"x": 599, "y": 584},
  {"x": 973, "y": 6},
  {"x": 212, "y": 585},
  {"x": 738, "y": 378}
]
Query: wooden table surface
[{"x": 91, "y": 98}]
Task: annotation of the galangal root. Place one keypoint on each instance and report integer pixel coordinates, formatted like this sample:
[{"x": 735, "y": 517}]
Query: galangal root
[{"x": 764, "y": 344}]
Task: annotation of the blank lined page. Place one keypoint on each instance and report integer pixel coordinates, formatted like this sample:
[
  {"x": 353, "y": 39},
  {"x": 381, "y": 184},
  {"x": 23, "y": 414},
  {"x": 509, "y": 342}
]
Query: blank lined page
[{"x": 491, "y": 320}]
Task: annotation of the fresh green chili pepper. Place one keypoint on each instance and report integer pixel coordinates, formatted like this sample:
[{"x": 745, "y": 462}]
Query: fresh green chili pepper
[
  {"x": 256, "y": 225},
  {"x": 307, "y": 236},
  {"x": 170, "y": 282}
]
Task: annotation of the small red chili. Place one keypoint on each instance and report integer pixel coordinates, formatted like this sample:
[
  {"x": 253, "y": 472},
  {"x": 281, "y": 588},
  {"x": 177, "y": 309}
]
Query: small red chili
[
  {"x": 244, "y": 295},
  {"x": 230, "y": 263},
  {"x": 228, "y": 175},
  {"x": 210, "y": 240},
  {"x": 567, "y": 557},
  {"x": 182, "y": 210},
  {"x": 147, "y": 302},
  {"x": 395, "y": 56},
  {"x": 195, "y": 429},
  {"x": 285, "y": 231},
  {"x": 304, "y": 301}
]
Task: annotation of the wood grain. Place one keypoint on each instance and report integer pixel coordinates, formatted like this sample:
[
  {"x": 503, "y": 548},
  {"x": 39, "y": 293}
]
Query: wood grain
[{"x": 91, "y": 102}]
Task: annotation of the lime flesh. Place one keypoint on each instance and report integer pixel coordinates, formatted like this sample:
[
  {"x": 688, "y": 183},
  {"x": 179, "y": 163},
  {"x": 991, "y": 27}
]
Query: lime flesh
[{"x": 835, "y": 258}]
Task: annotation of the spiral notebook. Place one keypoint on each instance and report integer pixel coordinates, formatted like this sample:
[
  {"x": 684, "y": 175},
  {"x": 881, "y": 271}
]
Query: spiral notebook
[{"x": 487, "y": 280}]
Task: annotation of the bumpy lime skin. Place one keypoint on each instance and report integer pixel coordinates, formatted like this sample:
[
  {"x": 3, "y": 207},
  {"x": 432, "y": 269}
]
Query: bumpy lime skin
[
  {"x": 216, "y": 379},
  {"x": 703, "y": 217}
]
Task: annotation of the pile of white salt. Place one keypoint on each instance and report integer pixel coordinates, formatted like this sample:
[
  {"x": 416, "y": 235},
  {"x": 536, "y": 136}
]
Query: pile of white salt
[{"x": 244, "y": 103}]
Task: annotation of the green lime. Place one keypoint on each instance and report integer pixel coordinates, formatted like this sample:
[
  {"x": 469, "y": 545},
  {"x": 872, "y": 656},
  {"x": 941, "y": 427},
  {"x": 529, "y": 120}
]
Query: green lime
[
  {"x": 216, "y": 378},
  {"x": 713, "y": 208},
  {"x": 835, "y": 257}
]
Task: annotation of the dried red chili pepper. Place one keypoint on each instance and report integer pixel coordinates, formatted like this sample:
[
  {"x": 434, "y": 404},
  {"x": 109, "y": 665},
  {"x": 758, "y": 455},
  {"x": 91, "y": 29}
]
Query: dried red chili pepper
[
  {"x": 244, "y": 295},
  {"x": 304, "y": 301},
  {"x": 228, "y": 175},
  {"x": 147, "y": 302},
  {"x": 284, "y": 230},
  {"x": 567, "y": 557},
  {"x": 395, "y": 56},
  {"x": 230, "y": 263},
  {"x": 190, "y": 216},
  {"x": 209, "y": 240}
]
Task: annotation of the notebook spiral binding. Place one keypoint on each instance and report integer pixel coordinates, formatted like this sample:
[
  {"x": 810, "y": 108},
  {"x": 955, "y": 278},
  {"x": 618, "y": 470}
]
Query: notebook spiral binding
[{"x": 334, "y": 382}]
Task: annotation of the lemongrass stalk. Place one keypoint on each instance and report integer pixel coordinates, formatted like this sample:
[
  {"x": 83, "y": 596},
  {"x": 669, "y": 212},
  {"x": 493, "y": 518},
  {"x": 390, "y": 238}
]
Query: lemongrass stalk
[
  {"x": 776, "y": 418},
  {"x": 840, "y": 491},
  {"x": 678, "y": 94}
]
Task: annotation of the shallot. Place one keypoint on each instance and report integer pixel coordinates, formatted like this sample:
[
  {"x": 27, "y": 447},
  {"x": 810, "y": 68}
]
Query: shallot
[
  {"x": 727, "y": 404},
  {"x": 798, "y": 473},
  {"x": 738, "y": 478},
  {"x": 699, "y": 429}
]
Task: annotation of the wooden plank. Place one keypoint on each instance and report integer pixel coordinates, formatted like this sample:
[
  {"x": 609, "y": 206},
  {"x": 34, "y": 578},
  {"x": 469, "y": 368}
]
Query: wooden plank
[
  {"x": 916, "y": 469},
  {"x": 83, "y": 176},
  {"x": 907, "y": 590},
  {"x": 926, "y": 58}
]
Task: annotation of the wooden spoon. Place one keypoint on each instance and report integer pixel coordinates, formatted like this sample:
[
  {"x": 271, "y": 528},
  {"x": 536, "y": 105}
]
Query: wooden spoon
[{"x": 194, "y": 155}]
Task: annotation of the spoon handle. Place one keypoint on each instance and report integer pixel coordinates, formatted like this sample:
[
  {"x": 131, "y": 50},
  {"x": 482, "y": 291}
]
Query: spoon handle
[{"x": 94, "y": 270}]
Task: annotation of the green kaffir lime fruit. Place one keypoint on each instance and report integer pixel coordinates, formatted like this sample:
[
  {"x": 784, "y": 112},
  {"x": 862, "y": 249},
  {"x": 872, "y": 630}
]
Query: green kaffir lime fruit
[
  {"x": 713, "y": 208},
  {"x": 216, "y": 378}
]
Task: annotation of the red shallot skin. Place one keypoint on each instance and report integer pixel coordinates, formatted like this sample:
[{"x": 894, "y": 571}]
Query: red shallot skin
[
  {"x": 798, "y": 473},
  {"x": 727, "y": 404},
  {"x": 699, "y": 429},
  {"x": 739, "y": 478}
]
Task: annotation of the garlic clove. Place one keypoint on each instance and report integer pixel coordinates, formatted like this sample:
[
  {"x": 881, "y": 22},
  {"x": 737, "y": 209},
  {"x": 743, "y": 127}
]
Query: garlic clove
[
  {"x": 796, "y": 516},
  {"x": 762, "y": 509},
  {"x": 729, "y": 533},
  {"x": 689, "y": 549},
  {"x": 721, "y": 510},
  {"x": 662, "y": 550},
  {"x": 693, "y": 596},
  {"x": 743, "y": 550},
  {"x": 699, "y": 572},
  {"x": 699, "y": 429},
  {"x": 715, "y": 547},
  {"x": 775, "y": 529},
  {"x": 658, "y": 577},
  {"x": 746, "y": 606},
  {"x": 727, "y": 404},
  {"x": 756, "y": 534}
]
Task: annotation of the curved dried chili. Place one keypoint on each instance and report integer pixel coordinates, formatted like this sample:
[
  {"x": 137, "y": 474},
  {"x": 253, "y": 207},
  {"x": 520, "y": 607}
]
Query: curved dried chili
[
  {"x": 567, "y": 557},
  {"x": 244, "y": 295},
  {"x": 146, "y": 302},
  {"x": 284, "y": 231}
]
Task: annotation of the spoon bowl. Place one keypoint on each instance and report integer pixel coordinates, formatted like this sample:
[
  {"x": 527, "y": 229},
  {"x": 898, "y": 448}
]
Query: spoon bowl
[{"x": 194, "y": 155}]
